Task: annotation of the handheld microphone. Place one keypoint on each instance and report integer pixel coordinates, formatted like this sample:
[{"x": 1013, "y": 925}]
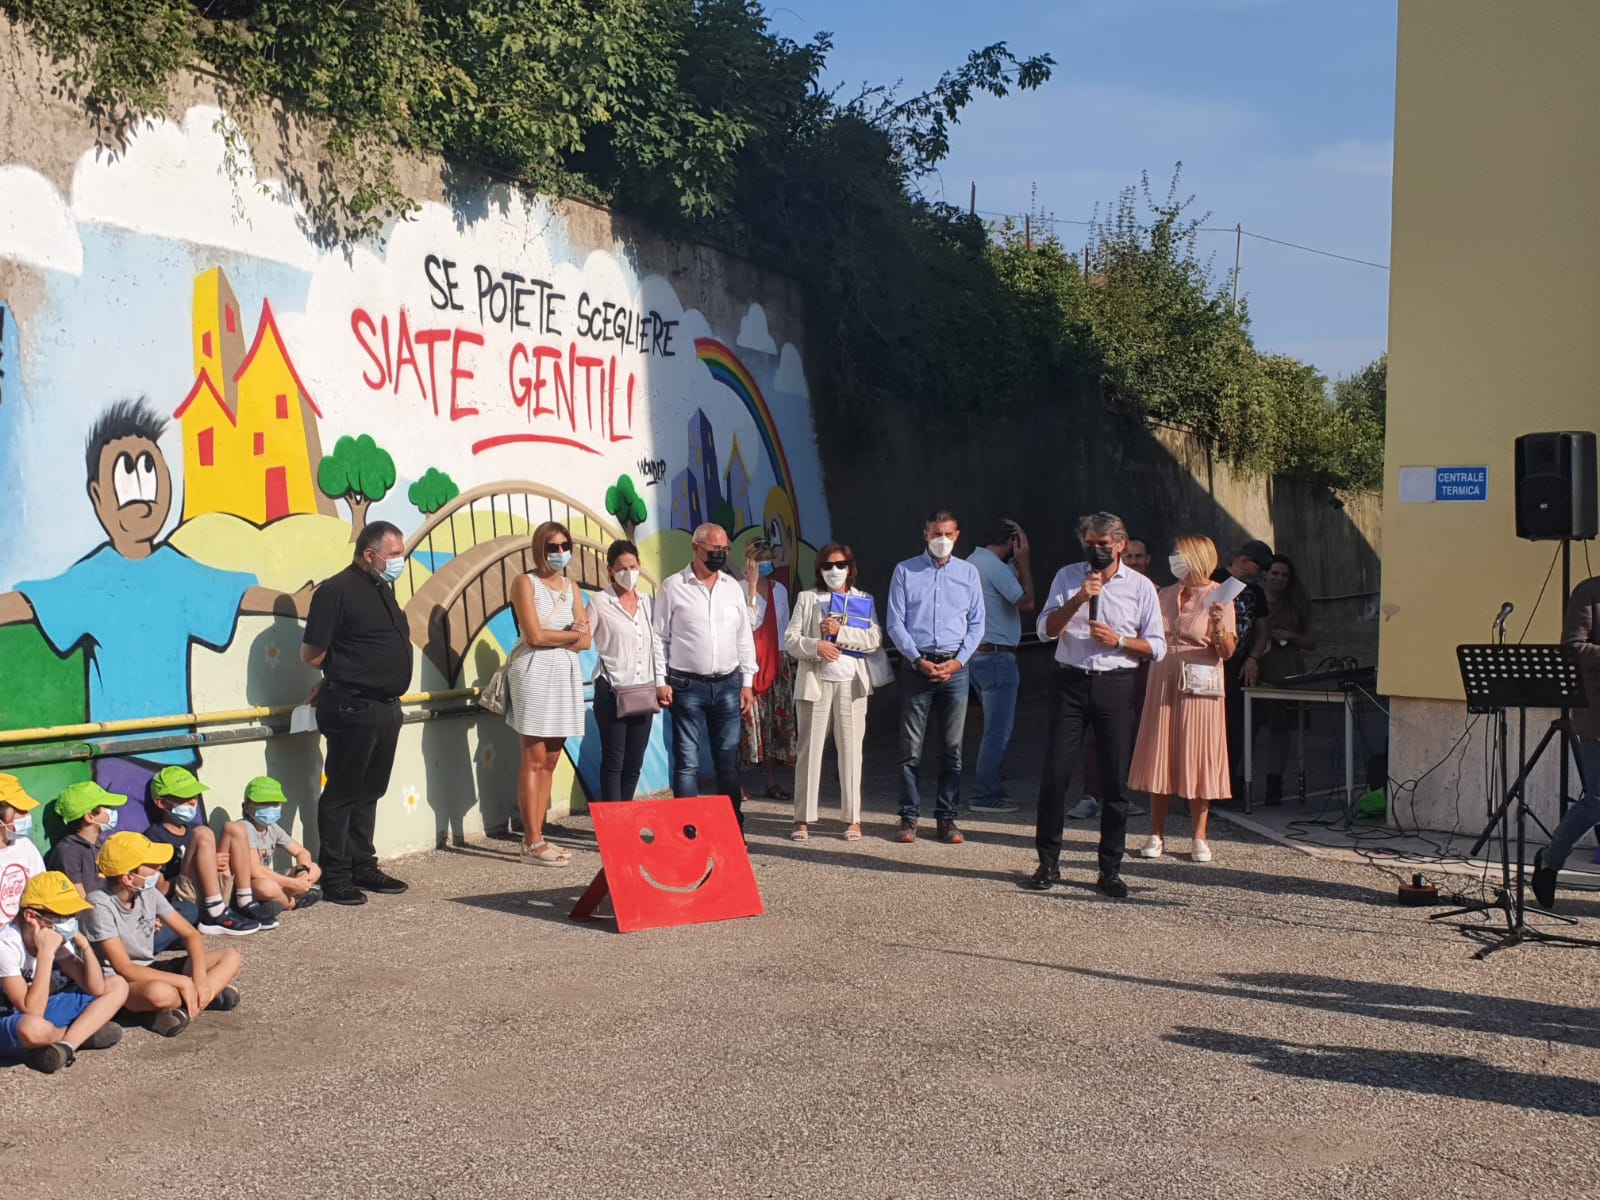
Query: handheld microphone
[
  {"x": 1094, "y": 608},
  {"x": 1506, "y": 610}
]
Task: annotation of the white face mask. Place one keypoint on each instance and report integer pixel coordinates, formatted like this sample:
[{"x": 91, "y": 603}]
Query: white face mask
[
  {"x": 834, "y": 577},
  {"x": 1178, "y": 565},
  {"x": 940, "y": 547},
  {"x": 626, "y": 580}
]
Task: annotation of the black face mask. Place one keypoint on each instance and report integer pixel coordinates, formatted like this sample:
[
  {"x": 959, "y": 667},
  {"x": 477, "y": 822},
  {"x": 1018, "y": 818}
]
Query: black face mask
[
  {"x": 716, "y": 559},
  {"x": 1099, "y": 557}
]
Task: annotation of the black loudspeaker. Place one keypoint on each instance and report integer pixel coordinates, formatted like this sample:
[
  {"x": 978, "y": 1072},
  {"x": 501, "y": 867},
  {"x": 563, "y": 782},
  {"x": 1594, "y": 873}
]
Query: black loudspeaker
[{"x": 1556, "y": 496}]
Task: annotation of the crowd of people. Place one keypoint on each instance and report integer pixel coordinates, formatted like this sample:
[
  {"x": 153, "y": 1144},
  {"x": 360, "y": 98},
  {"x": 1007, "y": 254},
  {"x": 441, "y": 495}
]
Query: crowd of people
[{"x": 1142, "y": 698}]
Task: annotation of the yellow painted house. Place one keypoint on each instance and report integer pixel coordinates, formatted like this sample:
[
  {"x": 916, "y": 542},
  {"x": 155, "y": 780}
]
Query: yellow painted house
[{"x": 250, "y": 444}]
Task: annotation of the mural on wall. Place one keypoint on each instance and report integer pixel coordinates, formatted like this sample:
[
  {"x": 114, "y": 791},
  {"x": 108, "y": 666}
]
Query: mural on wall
[{"x": 467, "y": 378}]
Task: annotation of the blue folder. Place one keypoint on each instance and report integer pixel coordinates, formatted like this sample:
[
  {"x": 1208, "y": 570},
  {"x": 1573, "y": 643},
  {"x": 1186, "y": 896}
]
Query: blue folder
[{"x": 854, "y": 612}]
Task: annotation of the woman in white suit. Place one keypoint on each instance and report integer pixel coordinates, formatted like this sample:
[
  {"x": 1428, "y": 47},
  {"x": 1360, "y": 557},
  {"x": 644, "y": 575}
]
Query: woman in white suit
[{"x": 831, "y": 686}]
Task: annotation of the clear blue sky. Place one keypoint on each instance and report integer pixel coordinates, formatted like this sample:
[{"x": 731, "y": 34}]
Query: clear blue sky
[{"x": 1281, "y": 111}]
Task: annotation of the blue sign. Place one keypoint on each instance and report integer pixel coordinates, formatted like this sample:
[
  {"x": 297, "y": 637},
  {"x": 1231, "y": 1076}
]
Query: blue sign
[{"x": 1458, "y": 484}]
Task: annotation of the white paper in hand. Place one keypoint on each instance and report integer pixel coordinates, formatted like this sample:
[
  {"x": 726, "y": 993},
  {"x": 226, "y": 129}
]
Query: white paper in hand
[
  {"x": 1226, "y": 593},
  {"x": 303, "y": 719}
]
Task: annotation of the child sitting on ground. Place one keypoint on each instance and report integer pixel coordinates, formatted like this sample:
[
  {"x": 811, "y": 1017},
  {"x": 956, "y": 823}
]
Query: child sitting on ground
[
  {"x": 47, "y": 1028},
  {"x": 89, "y": 813},
  {"x": 122, "y": 926},
  {"x": 198, "y": 872},
  {"x": 20, "y": 859},
  {"x": 263, "y": 809}
]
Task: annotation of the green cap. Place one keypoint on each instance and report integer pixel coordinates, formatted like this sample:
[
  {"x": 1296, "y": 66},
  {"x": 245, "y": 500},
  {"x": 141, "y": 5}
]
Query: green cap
[
  {"x": 177, "y": 782},
  {"x": 78, "y": 800},
  {"x": 264, "y": 790}
]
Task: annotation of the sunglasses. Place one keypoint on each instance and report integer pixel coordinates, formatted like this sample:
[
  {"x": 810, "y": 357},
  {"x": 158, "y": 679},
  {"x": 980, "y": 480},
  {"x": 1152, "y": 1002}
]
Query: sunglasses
[
  {"x": 556, "y": 547},
  {"x": 838, "y": 562}
]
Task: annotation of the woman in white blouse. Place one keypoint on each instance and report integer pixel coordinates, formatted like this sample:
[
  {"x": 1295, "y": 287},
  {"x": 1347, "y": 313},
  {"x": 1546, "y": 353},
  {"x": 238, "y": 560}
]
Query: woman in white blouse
[
  {"x": 832, "y": 687},
  {"x": 630, "y": 658}
]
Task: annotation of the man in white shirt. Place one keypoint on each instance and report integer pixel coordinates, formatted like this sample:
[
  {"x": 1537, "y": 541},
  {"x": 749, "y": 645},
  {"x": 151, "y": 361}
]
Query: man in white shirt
[
  {"x": 710, "y": 651},
  {"x": 1105, "y": 619}
]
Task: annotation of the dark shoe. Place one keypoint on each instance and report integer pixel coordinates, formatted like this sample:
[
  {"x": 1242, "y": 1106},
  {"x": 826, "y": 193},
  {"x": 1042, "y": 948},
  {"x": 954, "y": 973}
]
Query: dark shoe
[
  {"x": 224, "y": 1001},
  {"x": 308, "y": 897},
  {"x": 949, "y": 834},
  {"x": 1113, "y": 886},
  {"x": 908, "y": 830},
  {"x": 265, "y": 913},
  {"x": 47, "y": 1060},
  {"x": 1544, "y": 882},
  {"x": 374, "y": 880},
  {"x": 343, "y": 893},
  {"x": 1274, "y": 795},
  {"x": 1043, "y": 879},
  {"x": 230, "y": 922},
  {"x": 169, "y": 1022},
  {"x": 107, "y": 1036}
]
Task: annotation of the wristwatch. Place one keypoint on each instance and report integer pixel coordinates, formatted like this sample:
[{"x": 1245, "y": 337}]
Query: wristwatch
[{"x": 1122, "y": 642}]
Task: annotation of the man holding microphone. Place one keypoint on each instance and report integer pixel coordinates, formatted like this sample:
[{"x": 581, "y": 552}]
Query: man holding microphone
[{"x": 1105, "y": 619}]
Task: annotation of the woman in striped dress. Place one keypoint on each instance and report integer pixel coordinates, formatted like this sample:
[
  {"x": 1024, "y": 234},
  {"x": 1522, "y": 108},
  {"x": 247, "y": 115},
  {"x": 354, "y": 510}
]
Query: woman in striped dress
[{"x": 545, "y": 684}]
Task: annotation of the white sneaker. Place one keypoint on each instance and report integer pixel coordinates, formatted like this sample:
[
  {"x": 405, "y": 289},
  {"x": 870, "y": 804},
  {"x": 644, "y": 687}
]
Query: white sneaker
[
  {"x": 1152, "y": 848},
  {"x": 1201, "y": 852},
  {"x": 1088, "y": 807}
]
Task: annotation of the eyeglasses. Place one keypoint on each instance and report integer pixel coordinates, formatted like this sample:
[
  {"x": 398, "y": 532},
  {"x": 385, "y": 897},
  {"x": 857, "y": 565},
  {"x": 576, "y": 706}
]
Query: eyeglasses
[{"x": 556, "y": 547}]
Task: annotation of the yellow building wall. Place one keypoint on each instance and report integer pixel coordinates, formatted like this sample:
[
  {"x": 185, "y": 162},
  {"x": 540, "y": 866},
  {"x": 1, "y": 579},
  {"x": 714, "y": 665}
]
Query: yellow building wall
[
  {"x": 283, "y": 442},
  {"x": 217, "y": 353},
  {"x": 1494, "y": 315}
]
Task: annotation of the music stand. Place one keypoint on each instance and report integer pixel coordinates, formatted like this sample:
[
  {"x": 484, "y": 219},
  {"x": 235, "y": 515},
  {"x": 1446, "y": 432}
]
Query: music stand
[{"x": 1496, "y": 678}]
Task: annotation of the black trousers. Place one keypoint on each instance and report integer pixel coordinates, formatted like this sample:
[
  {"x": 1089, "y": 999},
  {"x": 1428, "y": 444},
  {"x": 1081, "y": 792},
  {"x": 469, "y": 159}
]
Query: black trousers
[
  {"x": 361, "y": 733},
  {"x": 623, "y": 742},
  {"x": 1081, "y": 704},
  {"x": 1233, "y": 701}
]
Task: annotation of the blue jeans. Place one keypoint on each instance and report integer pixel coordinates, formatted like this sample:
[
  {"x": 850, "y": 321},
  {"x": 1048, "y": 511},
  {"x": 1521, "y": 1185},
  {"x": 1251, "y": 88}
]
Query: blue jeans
[
  {"x": 718, "y": 705},
  {"x": 919, "y": 695},
  {"x": 165, "y": 938},
  {"x": 1582, "y": 816},
  {"x": 996, "y": 678}
]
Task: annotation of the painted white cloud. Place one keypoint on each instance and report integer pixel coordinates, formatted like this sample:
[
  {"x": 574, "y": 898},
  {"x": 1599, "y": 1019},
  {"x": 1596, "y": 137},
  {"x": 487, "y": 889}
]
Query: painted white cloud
[
  {"x": 141, "y": 189},
  {"x": 791, "y": 376},
  {"x": 36, "y": 226},
  {"x": 753, "y": 332}
]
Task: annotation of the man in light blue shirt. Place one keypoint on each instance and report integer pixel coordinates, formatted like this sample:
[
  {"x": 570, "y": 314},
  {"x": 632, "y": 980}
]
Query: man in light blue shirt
[
  {"x": 936, "y": 621},
  {"x": 1104, "y": 618},
  {"x": 1003, "y": 564}
]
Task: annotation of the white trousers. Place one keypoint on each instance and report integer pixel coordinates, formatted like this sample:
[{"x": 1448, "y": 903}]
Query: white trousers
[{"x": 848, "y": 716}]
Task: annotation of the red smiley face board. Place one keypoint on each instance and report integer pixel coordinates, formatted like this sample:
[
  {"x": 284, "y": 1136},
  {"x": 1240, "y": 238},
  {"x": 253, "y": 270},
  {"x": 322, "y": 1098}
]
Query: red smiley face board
[{"x": 671, "y": 862}]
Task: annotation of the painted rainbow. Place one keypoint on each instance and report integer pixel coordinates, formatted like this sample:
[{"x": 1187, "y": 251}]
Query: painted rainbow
[{"x": 726, "y": 368}]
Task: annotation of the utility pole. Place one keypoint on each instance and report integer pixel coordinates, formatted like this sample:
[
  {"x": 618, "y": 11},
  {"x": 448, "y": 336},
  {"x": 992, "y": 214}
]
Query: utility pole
[
  {"x": 1027, "y": 230},
  {"x": 972, "y": 207},
  {"x": 1238, "y": 242}
]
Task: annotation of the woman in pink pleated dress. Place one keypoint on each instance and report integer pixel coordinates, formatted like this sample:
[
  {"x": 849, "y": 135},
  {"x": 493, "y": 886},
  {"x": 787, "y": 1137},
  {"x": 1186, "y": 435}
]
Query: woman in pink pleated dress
[{"x": 1183, "y": 734}]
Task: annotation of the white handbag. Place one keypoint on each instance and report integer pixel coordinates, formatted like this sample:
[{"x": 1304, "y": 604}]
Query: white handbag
[
  {"x": 492, "y": 696},
  {"x": 880, "y": 672}
]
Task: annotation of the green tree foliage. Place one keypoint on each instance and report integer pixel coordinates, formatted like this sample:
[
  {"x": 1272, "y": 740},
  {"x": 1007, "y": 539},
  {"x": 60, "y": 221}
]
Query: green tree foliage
[
  {"x": 359, "y": 472},
  {"x": 625, "y": 504},
  {"x": 433, "y": 491},
  {"x": 695, "y": 115},
  {"x": 724, "y": 515}
]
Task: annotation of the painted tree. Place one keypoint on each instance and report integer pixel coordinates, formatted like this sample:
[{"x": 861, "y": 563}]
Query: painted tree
[
  {"x": 625, "y": 504},
  {"x": 724, "y": 515},
  {"x": 359, "y": 472},
  {"x": 433, "y": 491}
]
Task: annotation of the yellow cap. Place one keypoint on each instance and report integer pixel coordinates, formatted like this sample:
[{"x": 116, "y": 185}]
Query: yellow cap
[
  {"x": 13, "y": 793},
  {"x": 125, "y": 853},
  {"x": 53, "y": 892}
]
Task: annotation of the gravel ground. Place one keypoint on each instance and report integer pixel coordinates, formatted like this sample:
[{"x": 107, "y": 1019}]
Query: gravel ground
[{"x": 903, "y": 1022}]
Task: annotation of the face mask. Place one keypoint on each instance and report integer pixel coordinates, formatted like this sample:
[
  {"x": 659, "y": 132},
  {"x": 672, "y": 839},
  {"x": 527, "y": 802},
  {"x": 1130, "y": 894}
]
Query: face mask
[
  {"x": 146, "y": 882},
  {"x": 184, "y": 813},
  {"x": 269, "y": 816},
  {"x": 20, "y": 827},
  {"x": 559, "y": 560},
  {"x": 716, "y": 559},
  {"x": 940, "y": 547},
  {"x": 765, "y": 569},
  {"x": 111, "y": 819},
  {"x": 1178, "y": 565},
  {"x": 393, "y": 568},
  {"x": 68, "y": 928},
  {"x": 627, "y": 580},
  {"x": 834, "y": 577},
  {"x": 1099, "y": 557}
]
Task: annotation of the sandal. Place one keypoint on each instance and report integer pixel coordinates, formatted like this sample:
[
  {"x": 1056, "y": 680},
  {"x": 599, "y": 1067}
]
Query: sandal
[
  {"x": 852, "y": 833},
  {"x": 543, "y": 854},
  {"x": 778, "y": 794},
  {"x": 800, "y": 834}
]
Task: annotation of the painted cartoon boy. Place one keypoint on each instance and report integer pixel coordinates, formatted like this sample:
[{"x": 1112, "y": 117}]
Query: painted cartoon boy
[{"x": 136, "y": 604}]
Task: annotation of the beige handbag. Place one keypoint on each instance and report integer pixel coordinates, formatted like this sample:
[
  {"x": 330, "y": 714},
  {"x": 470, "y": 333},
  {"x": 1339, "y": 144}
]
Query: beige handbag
[
  {"x": 1201, "y": 679},
  {"x": 492, "y": 696}
]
